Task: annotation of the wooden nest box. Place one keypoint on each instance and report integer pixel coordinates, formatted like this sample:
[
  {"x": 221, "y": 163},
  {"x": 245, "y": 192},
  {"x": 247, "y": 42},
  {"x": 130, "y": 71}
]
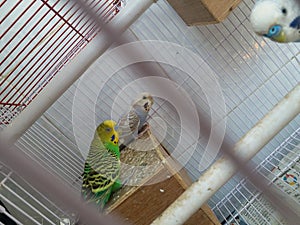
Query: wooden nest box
[
  {"x": 154, "y": 180},
  {"x": 203, "y": 12}
]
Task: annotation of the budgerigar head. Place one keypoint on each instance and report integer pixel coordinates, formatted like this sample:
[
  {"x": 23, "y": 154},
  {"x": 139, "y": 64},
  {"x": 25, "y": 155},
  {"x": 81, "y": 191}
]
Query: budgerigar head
[
  {"x": 145, "y": 101},
  {"x": 269, "y": 19},
  {"x": 107, "y": 133}
]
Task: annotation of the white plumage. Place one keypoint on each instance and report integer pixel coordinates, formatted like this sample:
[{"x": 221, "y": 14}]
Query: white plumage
[
  {"x": 278, "y": 20},
  {"x": 131, "y": 123}
]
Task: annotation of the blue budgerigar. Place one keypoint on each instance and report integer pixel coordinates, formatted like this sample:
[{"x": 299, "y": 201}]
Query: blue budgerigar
[
  {"x": 131, "y": 124},
  {"x": 278, "y": 20}
]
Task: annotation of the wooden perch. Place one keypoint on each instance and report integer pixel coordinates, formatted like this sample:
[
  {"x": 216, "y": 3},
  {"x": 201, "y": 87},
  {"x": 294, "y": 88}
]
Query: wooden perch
[
  {"x": 156, "y": 184},
  {"x": 203, "y": 12}
]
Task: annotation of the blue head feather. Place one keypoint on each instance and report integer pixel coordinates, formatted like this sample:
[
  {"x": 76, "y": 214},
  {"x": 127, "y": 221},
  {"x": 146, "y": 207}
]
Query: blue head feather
[{"x": 295, "y": 23}]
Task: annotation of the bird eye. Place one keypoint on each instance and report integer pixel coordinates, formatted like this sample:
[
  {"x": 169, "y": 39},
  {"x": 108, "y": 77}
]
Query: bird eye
[
  {"x": 284, "y": 11},
  {"x": 274, "y": 31},
  {"x": 144, "y": 97},
  {"x": 108, "y": 129}
]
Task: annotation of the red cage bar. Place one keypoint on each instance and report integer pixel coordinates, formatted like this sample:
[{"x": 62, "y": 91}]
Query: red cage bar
[{"x": 39, "y": 38}]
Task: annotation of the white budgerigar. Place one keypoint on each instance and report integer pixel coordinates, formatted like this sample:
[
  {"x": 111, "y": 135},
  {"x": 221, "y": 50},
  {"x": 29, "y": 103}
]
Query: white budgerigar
[
  {"x": 278, "y": 20},
  {"x": 131, "y": 123}
]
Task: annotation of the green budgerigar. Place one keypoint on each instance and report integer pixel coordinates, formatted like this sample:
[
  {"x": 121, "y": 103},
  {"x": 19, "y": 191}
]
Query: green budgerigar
[{"x": 102, "y": 166}]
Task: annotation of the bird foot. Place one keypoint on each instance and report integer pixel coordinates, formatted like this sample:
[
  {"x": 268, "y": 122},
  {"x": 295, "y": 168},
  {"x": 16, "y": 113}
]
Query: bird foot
[{"x": 144, "y": 129}]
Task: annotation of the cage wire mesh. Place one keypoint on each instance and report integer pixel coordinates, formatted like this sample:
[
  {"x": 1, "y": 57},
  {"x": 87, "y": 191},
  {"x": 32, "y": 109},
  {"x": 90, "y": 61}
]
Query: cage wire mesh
[
  {"x": 246, "y": 203},
  {"x": 25, "y": 203},
  {"x": 254, "y": 75}
]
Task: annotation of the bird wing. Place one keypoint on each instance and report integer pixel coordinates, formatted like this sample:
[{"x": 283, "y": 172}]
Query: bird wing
[
  {"x": 127, "y": 127},
  {"x": 101, "y": 170}
]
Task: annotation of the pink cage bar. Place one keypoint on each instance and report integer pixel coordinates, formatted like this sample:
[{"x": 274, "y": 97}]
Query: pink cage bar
[{"x": 52, "y": 33}]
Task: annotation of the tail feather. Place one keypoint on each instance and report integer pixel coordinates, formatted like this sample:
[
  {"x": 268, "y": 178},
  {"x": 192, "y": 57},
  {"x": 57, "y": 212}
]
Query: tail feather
[{"x": 98, "y": 199}]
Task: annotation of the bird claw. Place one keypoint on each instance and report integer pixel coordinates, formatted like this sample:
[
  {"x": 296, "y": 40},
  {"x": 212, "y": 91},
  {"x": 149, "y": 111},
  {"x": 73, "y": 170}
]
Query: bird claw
[{"x": 144, "y": 129}]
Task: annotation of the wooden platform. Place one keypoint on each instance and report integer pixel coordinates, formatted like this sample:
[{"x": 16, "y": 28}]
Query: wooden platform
[
  {"x": 155, "y": 185},
  {"x": 202, "y": 12}
]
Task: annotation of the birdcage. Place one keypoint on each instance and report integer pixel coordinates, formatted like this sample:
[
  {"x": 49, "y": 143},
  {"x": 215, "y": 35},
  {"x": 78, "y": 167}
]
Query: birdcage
[{"x": 68, "y": 65}]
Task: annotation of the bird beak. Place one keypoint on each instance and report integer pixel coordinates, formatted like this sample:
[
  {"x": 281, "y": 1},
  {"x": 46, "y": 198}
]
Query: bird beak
[
  {"x": 281, "y": 37},
  {"x": 115, "y": 138},
  {"x": 146, "y": 106}
]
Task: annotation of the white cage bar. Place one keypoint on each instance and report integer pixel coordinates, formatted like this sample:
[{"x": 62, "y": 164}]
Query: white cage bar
[
  {"x": 245, "y": 202},
  {"x": 25, "y": 203},
  {"x": 224, "y": 168}
]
